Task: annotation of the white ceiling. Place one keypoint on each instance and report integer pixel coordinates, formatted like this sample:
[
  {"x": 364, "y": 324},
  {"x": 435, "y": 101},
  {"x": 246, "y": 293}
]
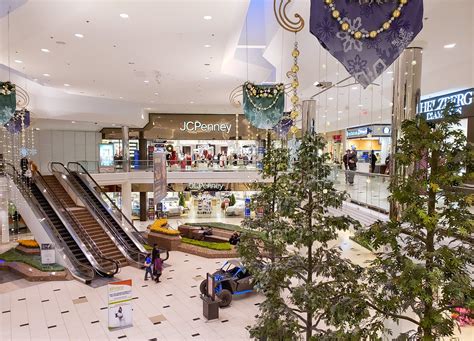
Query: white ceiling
[{"x": 164, "y": 39}]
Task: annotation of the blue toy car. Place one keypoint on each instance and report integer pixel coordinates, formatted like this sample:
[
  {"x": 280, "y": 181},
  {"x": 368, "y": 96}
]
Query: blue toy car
[{"x": 231, "y": 279}]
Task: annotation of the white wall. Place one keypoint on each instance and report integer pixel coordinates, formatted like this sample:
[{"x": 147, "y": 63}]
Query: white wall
[{"x": 65, "y": 146}]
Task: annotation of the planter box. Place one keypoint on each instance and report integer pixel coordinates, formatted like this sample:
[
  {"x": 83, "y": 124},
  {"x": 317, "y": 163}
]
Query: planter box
[
  {"x": 29, "y": 250},
  {"x": 163, "y": 241}
]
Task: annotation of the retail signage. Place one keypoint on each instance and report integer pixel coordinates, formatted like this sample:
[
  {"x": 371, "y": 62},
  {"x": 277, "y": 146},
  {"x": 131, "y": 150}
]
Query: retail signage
[
  {"x": 120, "y": 304},
  {"x": 432, "y": 108},
  {"x": 206, "y": 187},
  {"x": 106, "y": 158},
  {"x": 375, "y": 130},
  {"x": 247, "y": 207},
  {"x": 198, "y": 126},
  {"x": 160, "y": 180},
  {"x": 48, "y": 254}
]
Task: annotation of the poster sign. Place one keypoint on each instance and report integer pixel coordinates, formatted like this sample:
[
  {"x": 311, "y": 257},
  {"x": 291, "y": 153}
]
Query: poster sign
[
  {"x": 247, "y": 207},
  {"x": 48, "y": 254},
  {"x": 106, "y": 158},
  {"x": 120, "y": 304},
  {"x": 160, "y": 181}
]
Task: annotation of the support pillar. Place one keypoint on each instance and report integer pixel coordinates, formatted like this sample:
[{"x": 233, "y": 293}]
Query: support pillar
[
  {"x": 125, "y": 150},
  {"x": 4, "y": 230},
  {"x": 127, "y": 200},
  {"x": 143, "y": 156},
  {"x": 309, "y": 116},
  {"x": 143, "y": 210},
  {"x": 406, "y": 97}
]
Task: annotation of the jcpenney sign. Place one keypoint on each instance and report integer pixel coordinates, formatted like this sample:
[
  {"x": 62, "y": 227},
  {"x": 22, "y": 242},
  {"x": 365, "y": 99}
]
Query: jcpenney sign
[
  {"x": 432, "y": 108},
  {"x": 197, "y": 126}
]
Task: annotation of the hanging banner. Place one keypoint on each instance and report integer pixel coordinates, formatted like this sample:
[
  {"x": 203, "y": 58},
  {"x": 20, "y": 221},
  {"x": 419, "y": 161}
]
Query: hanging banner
[
  {"x": 283, "y": 127},
  {"x": 263, "y": 105},
  {"x": 120, "y": 304},
  {"x": 366, "y": 38},
  {"x": 19, "y": 121},
  {"x": 7, "y": 101},
  {"x": 160, "y": 181}
]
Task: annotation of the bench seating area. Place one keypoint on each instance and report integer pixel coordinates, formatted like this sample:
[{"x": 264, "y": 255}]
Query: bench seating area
[{"x": 198, "y": 233}]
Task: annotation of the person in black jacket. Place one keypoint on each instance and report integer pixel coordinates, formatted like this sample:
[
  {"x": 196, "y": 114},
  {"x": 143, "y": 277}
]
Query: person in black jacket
[{"x": 352, "y": 164}]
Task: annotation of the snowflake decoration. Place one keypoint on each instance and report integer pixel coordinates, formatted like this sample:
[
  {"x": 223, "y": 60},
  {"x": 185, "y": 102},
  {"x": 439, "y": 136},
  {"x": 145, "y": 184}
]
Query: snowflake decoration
[
  {"x": 348, "y": 41},
  {"x": 404, "y": 39},
  {"x": 357, "y": 65},
  {"x": 325, "y": 29},
  {"x": 5, "y": 115}
]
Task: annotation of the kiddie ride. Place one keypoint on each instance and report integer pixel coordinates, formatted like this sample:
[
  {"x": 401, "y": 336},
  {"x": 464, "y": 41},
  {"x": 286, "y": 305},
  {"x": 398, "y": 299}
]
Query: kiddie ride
[{"x": 231, "y": 279}]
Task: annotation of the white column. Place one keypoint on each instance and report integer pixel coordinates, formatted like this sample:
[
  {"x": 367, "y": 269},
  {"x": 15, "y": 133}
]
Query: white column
[
  {"x": 5, "y": 238},
  {"x": 125, "y": 149},
  {"x": 127, "y": 200}
]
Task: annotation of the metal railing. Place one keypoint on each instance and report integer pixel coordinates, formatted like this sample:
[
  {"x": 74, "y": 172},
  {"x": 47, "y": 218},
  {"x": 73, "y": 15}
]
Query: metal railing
[
  {"x": 85, "y": 272},
  {"x": 83, "y": 235},
  {"x": 134, "y": 256}
]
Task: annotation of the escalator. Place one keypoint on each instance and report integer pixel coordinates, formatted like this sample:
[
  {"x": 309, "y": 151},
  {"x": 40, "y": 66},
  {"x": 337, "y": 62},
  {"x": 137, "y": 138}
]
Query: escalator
[
  {"x": 127, "y": 237},
  {"x": 80, "y": 267}
]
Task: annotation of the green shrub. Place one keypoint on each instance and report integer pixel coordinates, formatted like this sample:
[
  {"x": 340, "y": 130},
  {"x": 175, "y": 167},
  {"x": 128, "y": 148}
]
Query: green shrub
[
  {"x": 232, "y": 200},
  {"x": 207, "y": 245},
  {"x": 14, "y": 255}
]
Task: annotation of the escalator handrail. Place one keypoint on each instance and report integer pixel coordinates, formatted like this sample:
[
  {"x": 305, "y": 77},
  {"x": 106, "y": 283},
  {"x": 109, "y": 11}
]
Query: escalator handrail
[
  {"x": 140, "y": 256},
  {"x": 17, "y": 179},
  {"x": 84, "y": 235},
  {"x": 141, "y": 239}
]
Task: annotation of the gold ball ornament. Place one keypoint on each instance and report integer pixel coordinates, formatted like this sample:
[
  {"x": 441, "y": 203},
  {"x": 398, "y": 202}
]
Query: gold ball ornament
[
  {"x": 295, "y": 68},
  {"x": 345, "y": 26},
  {"x": 294, "y": 130},
  {"x": 386, "y": 25},
  {"x": 403, "y": 2},
  {"x": 373, "y": 34},
  {"x": 295, "y": 84},
  {"x": 295, "y": 53},
  {"x": 396, "y": 13},
  {"x": 295, "y": 99},
  {"x": 358, "y": 35},
  {"x": 294, "y": 115},
  {"x": 336, "y": 14},
  {"x": 328, "y": 2}
]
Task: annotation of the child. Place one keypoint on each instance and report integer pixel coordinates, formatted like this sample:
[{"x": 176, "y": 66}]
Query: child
[
  {"x": 157, "y": 268},
  {"x": 147, "y": 265}
]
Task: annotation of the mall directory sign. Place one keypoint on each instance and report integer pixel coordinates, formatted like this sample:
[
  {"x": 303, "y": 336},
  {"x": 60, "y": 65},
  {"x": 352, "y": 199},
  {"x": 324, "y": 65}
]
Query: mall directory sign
[
  {"x": 432, "y": 108},
  {"x": 120, "y": 304},
  {"x": 160, "y": 180},
  {"x": 106, "y": 158}
]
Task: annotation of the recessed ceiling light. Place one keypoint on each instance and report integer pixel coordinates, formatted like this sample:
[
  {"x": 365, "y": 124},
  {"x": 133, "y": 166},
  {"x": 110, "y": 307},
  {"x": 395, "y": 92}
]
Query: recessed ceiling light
[
  {"x": 147, "y": 108},
  {"x": 46, "y": 74},
  {"x": 121, "y": 97},
  {"x": 338, "y": 118},
  {"x": 18, "y": 61},
  {"x": 124, "y": 15},
  {"x": 206, "y": 77},
  {"x": 207, "y": 17},
  {"x": 113, "y": 124},
  {"x": 73, "y": 121},
  {"x": 156, "y": 94},
  {"x": 146, "y": 81},
  {"x": 66, "y": 84},
  {"x": 207, "y": 45},
  {"x": 45, "y": 50},
  {"x": 360, "y": 105},
  {"x": 330, "y": 98},
  {"x": 35, "y": 79},
  {"x": 191, "y": 102},
  {"x": 450, "y": 46},
  {"x": 324, "y": 66},
  {"x": 389, "y": 72},
  {"x": 339, "y": 112},
  {"x": 79, "y": 35},
  {"x": 355, "y": 88}
]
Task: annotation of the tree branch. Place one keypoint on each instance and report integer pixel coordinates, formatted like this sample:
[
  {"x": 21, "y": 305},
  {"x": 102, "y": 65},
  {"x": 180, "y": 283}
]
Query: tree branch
[{"x": 396, "y": 316}]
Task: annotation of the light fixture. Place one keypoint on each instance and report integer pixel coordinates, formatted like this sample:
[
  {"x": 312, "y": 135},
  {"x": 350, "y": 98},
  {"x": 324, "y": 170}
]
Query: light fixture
[
  {"x": 207, "y": 17},
  {"x": 330, "y": 98},
  {"x": 207, "y": 45},
  {"x": 316, "y": 83},
  {"x": 355, "y": 88},
  {"x": 338, "y": 118},
  {"x": 360, "y": 105},
  {"x": 389, "y": 72},
  {"x": 191, "y": 102},
  {"x": 124, "y": 15},
  {"x": 413, "y": 62},
  {"x": 37, "y": 128},
  {"x": 450, "y": 46},
  {"x": 45, "y": 50},
  {"x": 79, "y": 35},
  {"x": 121, "y": 97},
  {"x": 339, "y": 112},
  {"x": 46, "y": 74},
  {"x": 66, "y": 84},
  {"x": 206, "y": 77},
  {"x": 156, "y": 93},
  {"x": 18, "y": 61},
  {"x": 73, "y": 121}
]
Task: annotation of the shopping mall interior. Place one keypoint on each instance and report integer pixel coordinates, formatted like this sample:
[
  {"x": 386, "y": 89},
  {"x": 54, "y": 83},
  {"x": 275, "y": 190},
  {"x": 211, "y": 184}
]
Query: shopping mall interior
[{"x": 236, "y": 169}]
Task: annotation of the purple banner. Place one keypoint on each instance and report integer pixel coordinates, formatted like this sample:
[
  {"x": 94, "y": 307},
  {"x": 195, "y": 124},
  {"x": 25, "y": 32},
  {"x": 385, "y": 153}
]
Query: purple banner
[
  {"x": 366, "y": 58},
  {"x": 14, "y": 125},
  {"x": 160, "y": 180}
]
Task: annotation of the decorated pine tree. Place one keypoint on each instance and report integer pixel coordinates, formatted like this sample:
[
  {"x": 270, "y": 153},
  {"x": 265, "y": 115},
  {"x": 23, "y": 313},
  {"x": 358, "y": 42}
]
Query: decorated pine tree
[
  {"x": 423, "y": 272},
  {"x": 310, "y": 290}
]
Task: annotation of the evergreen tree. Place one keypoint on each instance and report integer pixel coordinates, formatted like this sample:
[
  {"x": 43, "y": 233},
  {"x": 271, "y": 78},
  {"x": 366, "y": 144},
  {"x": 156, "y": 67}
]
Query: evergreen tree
[
  {"x": 423, "y": 273},
  {"x": 309, "y": 288},
  {"x": 232, "y": 200},
  {"x": 181, "y": 202}
]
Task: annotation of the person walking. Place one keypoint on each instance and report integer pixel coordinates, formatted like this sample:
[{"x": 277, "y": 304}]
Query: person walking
[
  {"x": 352, "y": 164},
  {"x": 148, "y": 267},
  {"x": 373, "y": 161},
  {"x": 345, "y": 161},
  {"x": 157, "y": 268}
]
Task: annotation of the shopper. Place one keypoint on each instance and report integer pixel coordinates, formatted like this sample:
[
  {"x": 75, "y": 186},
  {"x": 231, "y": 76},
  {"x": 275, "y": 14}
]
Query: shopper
[
  {"x": 352, "y": 164},
  {"x": 234, "y": 239},
  {"x": 154, "y": 253},
  {"x": 373, "y": 161},
  {"x": 148, "y": 267},
  {"x": 345, "y": 159},
  {"x": 157, "y": 268}
]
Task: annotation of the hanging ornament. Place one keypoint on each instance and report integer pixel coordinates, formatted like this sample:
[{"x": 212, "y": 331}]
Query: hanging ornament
[
  {"x": 7, "y": 101},
  {"x": 263, "y": 105},
  {"x": 366, "y": 37},
  {"x": 295, "y": 100}
]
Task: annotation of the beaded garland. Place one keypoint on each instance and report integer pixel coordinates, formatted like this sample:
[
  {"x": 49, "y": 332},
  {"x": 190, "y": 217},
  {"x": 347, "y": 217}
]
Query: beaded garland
[
  {"x": 345, "y": 26},
  {"x": 257, "y": 92}
]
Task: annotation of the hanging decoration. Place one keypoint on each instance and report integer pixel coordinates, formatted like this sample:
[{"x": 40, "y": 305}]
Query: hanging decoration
[
  {"x": 7, "y": 101},
  {"x": 263, "y": 104},
  {"x": 295, "y": 100},
  {"x": 366, "y": 36},
  {"x": 283, "y": 127},
  {"x": 19, "y": 122}
]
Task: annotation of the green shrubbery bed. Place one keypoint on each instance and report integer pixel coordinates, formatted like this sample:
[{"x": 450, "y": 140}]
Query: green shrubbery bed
[
  {"x": 207, "y": 245},
  {"x": 14, "y": 255}
]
